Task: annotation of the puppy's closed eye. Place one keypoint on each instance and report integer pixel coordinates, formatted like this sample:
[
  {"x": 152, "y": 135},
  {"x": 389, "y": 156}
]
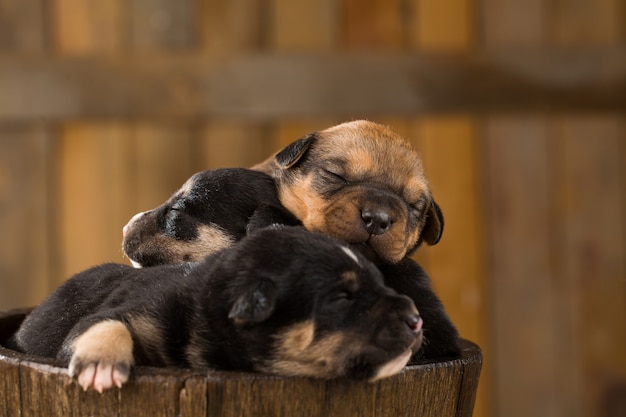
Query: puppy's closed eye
[{"x": 333, "y": 176}]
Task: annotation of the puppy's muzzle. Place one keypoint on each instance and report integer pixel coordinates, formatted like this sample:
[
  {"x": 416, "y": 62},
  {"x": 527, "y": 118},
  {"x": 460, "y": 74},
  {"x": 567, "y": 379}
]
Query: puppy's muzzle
[
  {"x": 376, "y": 221},
  {"x": 130, "y": 223}
]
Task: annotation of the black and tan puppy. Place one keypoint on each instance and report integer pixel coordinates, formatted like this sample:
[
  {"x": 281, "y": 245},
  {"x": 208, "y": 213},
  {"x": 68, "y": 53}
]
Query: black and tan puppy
[
  {"x": 364, "y": 184},
  {"x": 282, "y": 300},
  {"x": 211, "y": 211}
]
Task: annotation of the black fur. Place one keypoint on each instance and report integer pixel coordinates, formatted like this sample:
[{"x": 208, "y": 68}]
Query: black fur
[
  {"x": 232, "y": 308},
  {"x": 230, "y": 201}
]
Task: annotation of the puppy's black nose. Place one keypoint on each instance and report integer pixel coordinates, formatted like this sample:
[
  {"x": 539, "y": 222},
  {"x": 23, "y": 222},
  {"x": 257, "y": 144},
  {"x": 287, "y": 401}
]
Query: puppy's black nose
[{"x": 376, "y": 221}]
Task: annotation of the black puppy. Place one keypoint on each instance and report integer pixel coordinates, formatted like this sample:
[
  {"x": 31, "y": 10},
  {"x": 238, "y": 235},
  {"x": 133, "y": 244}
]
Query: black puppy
[
  {"x": 211, "y": 211},
  {"x": 282, "y": 301}
]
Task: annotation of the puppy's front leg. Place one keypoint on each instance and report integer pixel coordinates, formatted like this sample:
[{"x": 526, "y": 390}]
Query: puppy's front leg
[{"x": 102, "y": 355}]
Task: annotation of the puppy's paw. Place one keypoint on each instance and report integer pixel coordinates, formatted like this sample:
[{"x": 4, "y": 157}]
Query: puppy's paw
[{"x": 102, "y": 356}]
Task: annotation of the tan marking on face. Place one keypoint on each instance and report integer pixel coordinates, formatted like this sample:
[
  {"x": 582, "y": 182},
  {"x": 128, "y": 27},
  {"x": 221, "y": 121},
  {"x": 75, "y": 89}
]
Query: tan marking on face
[
  {"x": 350, "y": 280},
  {"x": 108, "y": 341},
  {"x": 304, "y": 203},
  {"x": 299, "y": 354},
  {"x": 210, "y": 239}
]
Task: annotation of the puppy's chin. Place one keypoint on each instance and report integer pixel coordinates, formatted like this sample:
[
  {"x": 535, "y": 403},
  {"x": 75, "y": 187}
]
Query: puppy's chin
[
  {"x": 136, "y": 264},
  {"x": 393, "y": 366},
  {"x": 372, "y": 255}
]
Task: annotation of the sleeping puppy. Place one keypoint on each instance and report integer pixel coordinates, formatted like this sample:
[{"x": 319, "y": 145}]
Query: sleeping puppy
[
  {"x": 364, "y": 184},
  {"x": 282, "y": 301},
  {"x": 359, "y": 182},
  {"x": 211, "y": 211}
]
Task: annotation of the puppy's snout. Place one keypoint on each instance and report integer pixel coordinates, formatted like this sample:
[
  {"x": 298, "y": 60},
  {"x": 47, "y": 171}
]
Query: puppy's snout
[
  {"x": 376, "y": 221},
  {"x": 128, "y": 225},
  {"x": 415, "y": 322}
]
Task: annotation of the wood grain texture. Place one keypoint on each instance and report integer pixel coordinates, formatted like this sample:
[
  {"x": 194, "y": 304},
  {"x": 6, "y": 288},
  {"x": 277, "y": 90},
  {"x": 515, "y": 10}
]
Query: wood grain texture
[
  {"x": 592, "y": 303},
  {"x": 268, "y": 87},
  {"x": 591, "y": 234},
  {"x": 372, "y": 24},
  {"x": 519, "y": 207},
  {"x": 22, "y": 26},
  {"x": 440, "y": 389},
  {"x": 230, "y": 26},
  {"x": 25, "y": 215}
]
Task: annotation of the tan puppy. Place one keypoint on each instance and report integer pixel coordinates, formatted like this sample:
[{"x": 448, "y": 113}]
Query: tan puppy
[{"x": 362, "y": 183}]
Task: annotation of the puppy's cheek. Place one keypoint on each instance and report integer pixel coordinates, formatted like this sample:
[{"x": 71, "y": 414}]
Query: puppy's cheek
[
  {"x": 297, "y": 353},
  {"x": 342, "y": 220}
]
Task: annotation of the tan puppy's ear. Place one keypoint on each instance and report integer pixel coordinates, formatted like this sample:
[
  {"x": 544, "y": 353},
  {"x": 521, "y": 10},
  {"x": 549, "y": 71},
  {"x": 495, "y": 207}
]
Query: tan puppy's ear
[
  {"x": 292, "y": 153},
  {"x": 433, "y": 228}
]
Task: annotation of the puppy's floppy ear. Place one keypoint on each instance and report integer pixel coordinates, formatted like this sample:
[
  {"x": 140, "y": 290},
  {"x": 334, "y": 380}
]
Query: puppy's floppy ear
[
  {"x": 433, "y": 228},
  {"x": 292, "y": 153},
  {"x": 255, "y": 304}
]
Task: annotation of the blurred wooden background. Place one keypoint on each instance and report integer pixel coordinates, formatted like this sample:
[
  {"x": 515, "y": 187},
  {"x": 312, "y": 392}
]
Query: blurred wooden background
[{"x": 517, "y": 107}]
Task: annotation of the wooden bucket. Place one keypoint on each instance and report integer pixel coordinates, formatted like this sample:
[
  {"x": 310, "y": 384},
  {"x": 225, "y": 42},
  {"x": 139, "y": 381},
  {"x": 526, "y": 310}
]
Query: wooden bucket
[{"x": 39, "y": 387}]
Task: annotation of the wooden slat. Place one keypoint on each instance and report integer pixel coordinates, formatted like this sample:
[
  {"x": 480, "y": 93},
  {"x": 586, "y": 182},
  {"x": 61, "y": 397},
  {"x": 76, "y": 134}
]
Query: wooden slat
[
  {"x": 230, "y": 145},
  {"x": 25, "y": 252},
  {"x": 442, "y": 25},
  {"x": 306, "y": 25},
  {"x": 587, "y": 22},
  {"x": 93, "y": 188},
  {"x": 513, "y": 23},
  {"x": 22, "y": 26},
  {"x": 162, "y": 162},
  {"x": 163, "y": 24},
  {"x": 311, "y": 85},
  {"x": 81, "y": 27},
  {"x": 372, "y": 24},
  {"x": 289, "y": 35},
  {"x": 231, "y": 27},
  {"x": 519, "y": 208},
  {"x": 591, "y": 306},
  {"x": 228, "y": 26},
  {"x": 592, "y": 302}
]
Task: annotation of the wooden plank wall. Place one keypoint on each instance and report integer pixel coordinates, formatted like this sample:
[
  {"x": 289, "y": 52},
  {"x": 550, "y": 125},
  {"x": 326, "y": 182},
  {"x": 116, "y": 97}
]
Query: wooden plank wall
[{"x": 532, "y": 265}]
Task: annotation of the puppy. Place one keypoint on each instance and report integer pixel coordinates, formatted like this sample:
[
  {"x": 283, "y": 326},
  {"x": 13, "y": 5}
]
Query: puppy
[
  {"x": 364, "y": 184},
  {"x": 359, "y": 182},
  {"x": 282, "y": 301},
  {"x": 211, "y": 211}
]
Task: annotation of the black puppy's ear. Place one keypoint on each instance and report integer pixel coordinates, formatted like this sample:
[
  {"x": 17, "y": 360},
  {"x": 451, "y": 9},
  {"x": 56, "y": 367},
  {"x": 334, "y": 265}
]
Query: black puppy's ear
[
  {"x": 255, "y": 304},
  {"x": 433, "y": 228},
  {"x": 269, "y": 215},
  {"x": 294, "y": 151}
]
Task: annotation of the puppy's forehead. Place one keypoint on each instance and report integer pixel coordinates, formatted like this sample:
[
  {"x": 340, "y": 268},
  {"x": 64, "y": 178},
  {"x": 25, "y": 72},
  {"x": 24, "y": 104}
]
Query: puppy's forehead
[
  {"x": 364, "y": 149},
  {"x": 187, "y": 186}
]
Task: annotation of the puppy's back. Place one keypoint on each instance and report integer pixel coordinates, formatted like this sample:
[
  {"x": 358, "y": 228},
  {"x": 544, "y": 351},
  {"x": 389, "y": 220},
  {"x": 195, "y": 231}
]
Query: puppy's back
[{"x": 45, "y": 328}]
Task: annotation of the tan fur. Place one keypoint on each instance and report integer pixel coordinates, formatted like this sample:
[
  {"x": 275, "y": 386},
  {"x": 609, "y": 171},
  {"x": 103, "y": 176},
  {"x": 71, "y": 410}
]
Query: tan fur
[
  {"x": 210, "y": 240},
  {"x": 102, "y": 356},
  {"x": 350, "y": 278},
  {"x": 372, "y": 157},
  {"x": 107, "y": 341},
  {"x": 299, "y": 353},
  {"x": 149, "y": 332}
]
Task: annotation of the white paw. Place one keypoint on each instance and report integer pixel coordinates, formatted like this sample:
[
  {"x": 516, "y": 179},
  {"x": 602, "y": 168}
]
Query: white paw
[{"x": 103, "y": 356}]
